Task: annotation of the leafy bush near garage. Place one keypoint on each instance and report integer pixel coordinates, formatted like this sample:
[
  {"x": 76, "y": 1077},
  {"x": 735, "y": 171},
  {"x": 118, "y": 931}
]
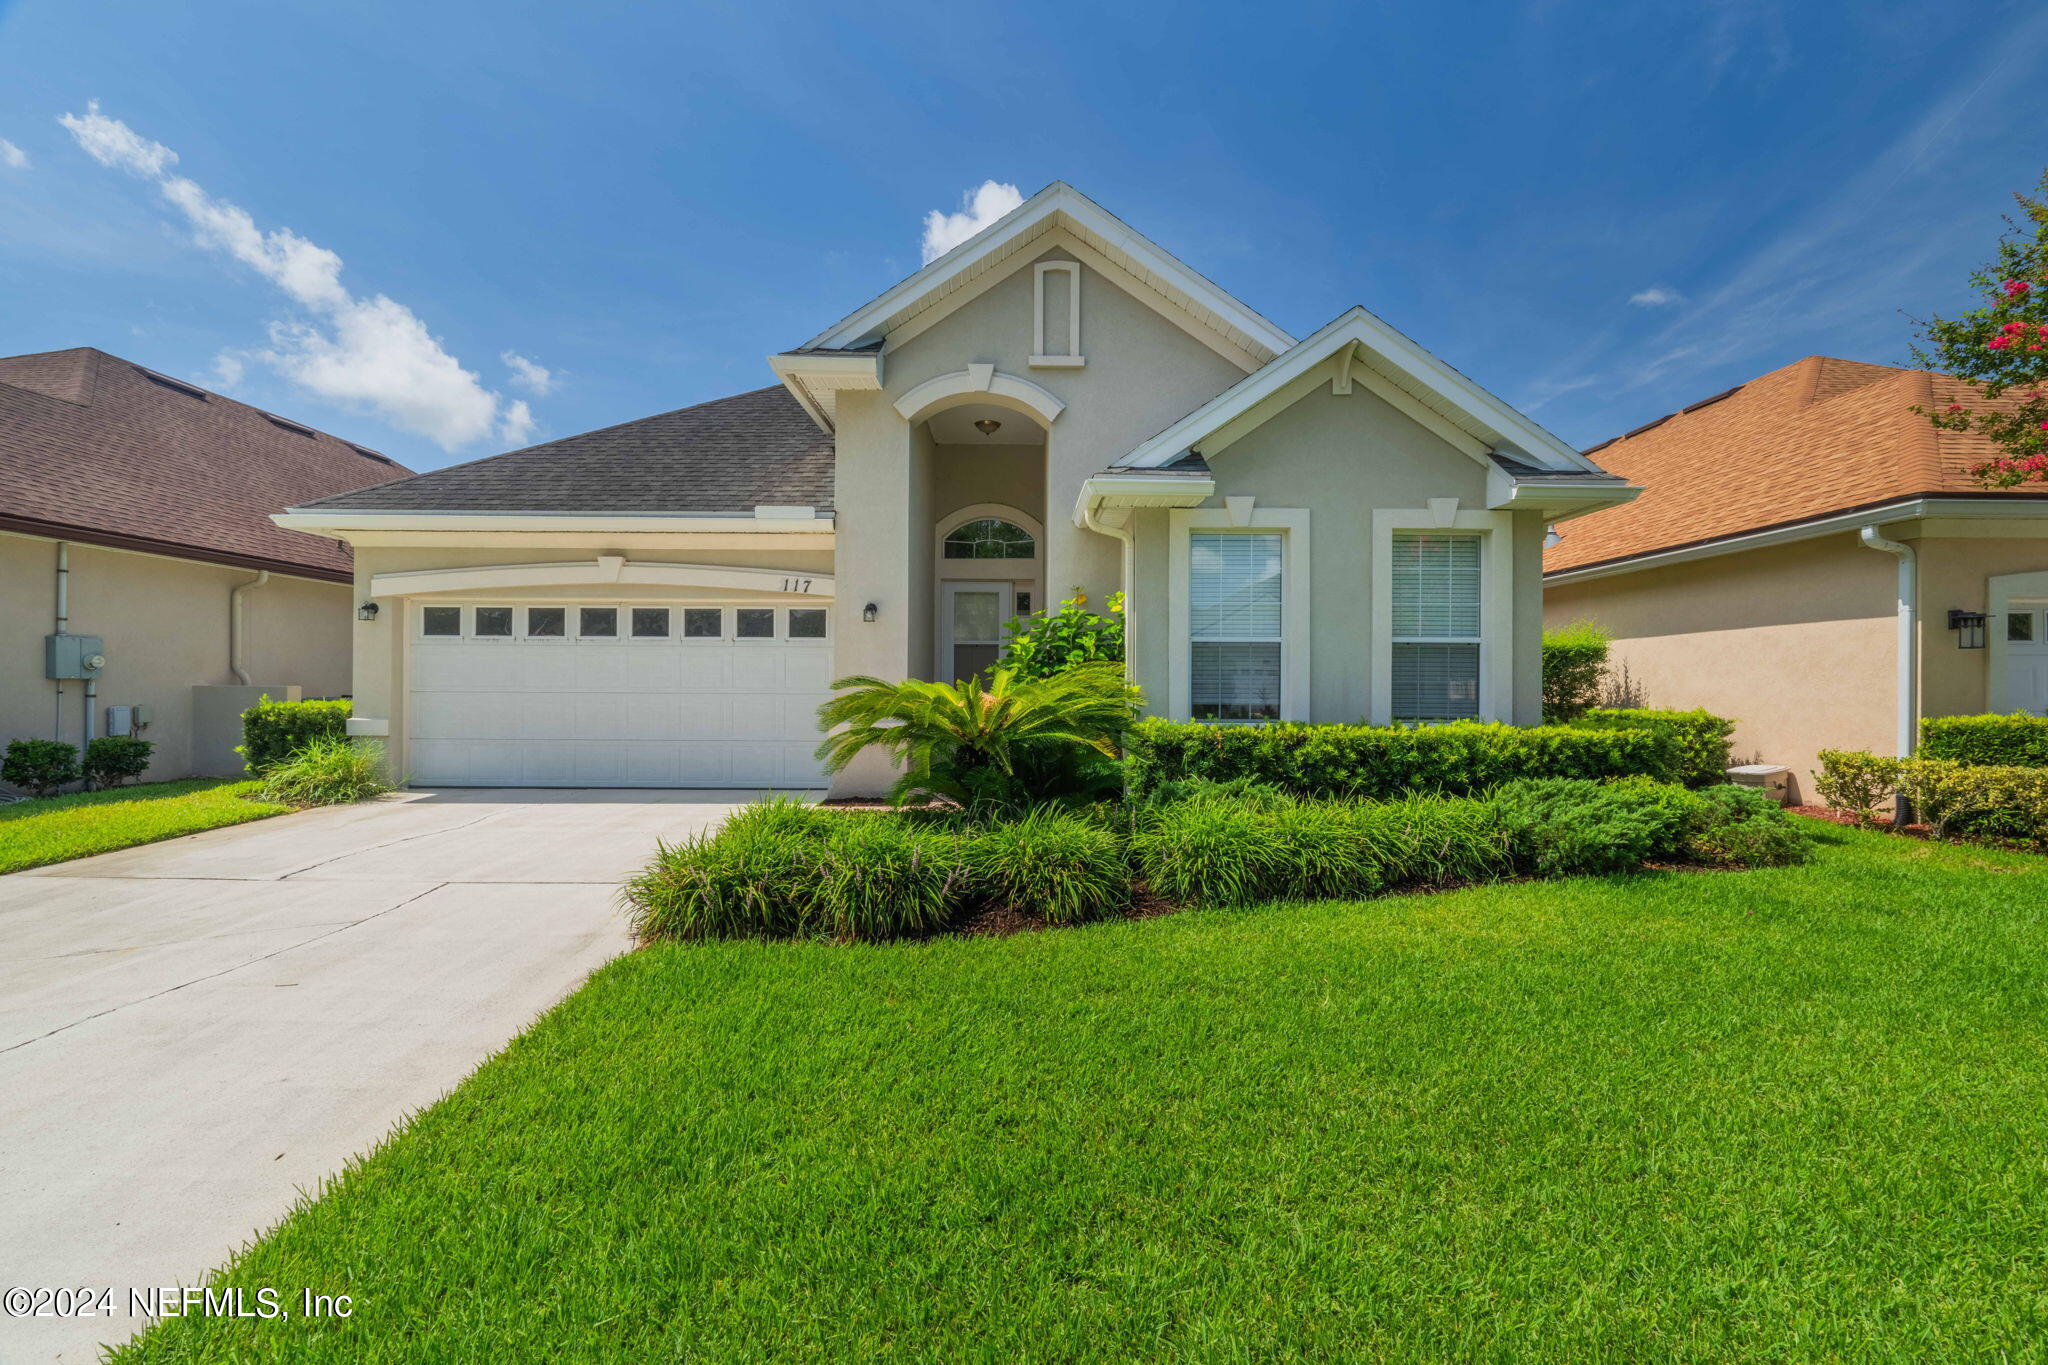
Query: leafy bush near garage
[
  {"x": 328, "y": 772},
  {"x": 1060, "y": 866},
  {"x": 1045, "y": 644},
  {"x": 1978, "y": 800},
  {"x": 112, "y": 760},
  {"x": 2015, "y": 741},
  {"x": 39, "y": 766},
  {"x": 1745, "y": 828},
  {"x": 1698, "y": 740},
  {"x": 272, "y": 731},
  {"x": 1372, "y": 762}
]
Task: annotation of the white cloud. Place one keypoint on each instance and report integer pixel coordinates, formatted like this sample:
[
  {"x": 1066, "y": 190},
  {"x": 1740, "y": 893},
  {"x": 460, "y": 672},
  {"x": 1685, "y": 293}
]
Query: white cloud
[
  {"x": 369, "y": 353},
  {"x": 228, "y": 370},
  {"x": 12, "y": 156},
  {"x": 1656, "y": 296},
  {"x": 516, "y": 427},
  {"x": 978, "y": 208},
  {"x": 535, "y": 378}
]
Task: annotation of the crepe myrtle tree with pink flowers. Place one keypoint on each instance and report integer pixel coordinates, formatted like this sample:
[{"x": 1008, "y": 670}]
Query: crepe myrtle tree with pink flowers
[{"x": 2002, "y": 348}]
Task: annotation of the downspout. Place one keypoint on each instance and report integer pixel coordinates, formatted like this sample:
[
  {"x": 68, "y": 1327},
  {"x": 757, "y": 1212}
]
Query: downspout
[
  {"x": 63, "y": 625},
  {"x": 1126, "y": 572},
  {"x": 1908, "y": 685},
  {"x": 237, "y": 635}
]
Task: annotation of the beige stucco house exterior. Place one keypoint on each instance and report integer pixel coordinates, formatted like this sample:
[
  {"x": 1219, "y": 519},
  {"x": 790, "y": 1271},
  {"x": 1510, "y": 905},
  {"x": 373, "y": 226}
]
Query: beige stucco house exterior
[
  {"x": 1811, "y": 558},
  {"x": 1334, "y": 528},
  {"x": 135, "y": 514}
]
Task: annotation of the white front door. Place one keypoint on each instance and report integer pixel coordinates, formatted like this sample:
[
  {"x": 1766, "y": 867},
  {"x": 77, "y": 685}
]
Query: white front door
[
  {"x": 971, "y": 619},
  {"x": 2026, "y": 656},
  {"x": 616, "y": 694}
]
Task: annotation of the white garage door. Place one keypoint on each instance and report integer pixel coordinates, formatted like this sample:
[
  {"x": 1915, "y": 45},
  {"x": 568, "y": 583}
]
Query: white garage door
[{"x": 617, "y": 694}]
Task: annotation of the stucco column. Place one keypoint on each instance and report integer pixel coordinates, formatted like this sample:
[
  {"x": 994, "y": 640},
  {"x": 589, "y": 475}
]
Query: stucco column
[{"x": 875, "y": 547}]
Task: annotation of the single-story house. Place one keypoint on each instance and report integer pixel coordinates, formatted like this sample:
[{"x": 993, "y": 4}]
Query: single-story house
[
  {"x": 1811, "y": 558},
  {"x": 1333, "y": 528},
  {"x": 134, "y": 520}
]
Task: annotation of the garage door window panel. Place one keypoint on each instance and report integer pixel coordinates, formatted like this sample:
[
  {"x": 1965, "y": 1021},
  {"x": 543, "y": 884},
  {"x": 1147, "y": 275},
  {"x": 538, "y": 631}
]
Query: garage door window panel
[
  {"x": 493, "y": 623},
  {"x": 441, "y": 622},
  {"x": 703, "y": 623},
  {"x": 597, "y": 623},
  {"x": 547, "y": 623},
  {"x": 650, "y": 623},
  {"x": 754, "y": 623}
]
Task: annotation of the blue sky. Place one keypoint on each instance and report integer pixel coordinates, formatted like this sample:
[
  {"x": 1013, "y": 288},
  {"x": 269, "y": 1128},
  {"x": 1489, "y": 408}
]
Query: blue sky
[{"x": 1598, "y": 211}]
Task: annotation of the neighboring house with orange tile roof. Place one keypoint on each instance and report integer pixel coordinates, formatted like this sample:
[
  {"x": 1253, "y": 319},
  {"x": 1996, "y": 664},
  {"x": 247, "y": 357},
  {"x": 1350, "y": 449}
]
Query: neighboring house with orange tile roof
[
  {"x": 1798, "y": 537},
  {"x": 142, "y": 504}
]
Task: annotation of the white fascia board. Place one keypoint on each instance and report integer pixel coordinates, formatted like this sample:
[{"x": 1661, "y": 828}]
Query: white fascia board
[
  {"x": 1142, "y": 490},
  {"x": 808, "y": 376},
  {"x": 1905, "y": 509},
  {"x": 1025, "y": 221},
  {"x": 1556, "y": 501},
  {"x": 337, "y": 523},
  {"x": 1386, "y": 351}
]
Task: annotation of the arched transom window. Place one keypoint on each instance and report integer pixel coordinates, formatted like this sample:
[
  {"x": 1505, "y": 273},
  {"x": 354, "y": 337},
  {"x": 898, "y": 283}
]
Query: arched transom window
[{"x": 990, "y": 538}]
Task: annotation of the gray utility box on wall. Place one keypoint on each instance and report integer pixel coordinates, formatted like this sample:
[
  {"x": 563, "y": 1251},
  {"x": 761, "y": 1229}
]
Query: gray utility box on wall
[{"x": 73, "y": 656}]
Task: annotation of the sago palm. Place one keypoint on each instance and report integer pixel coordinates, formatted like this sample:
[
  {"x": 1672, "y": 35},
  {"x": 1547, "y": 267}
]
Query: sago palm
[{"x": 946, "y": 736}]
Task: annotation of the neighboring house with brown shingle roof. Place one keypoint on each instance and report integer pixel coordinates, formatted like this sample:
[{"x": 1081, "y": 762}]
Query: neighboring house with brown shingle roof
[
  {"x": 155, "y": 496},
  {"x": 1742, "y": 581}
]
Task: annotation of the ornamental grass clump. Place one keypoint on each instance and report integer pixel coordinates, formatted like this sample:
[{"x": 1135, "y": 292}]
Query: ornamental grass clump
[
  {"x": 328, "y": 772},
  {"x": 1210, "y": 853},
  {"x": 1061, "y": 867},
  {"x": 1434, "y": 840},
  {"x": 879, "y": 877}
]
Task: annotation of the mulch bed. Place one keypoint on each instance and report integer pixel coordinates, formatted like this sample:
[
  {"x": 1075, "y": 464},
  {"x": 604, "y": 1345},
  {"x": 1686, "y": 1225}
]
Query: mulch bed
[{"x": 1848, "y": 819}]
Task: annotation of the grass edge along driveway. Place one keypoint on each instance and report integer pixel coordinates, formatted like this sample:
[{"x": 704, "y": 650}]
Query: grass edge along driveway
[
  {"x": 1782, "y": 1114},
  {"x": 56, "y": 829}
]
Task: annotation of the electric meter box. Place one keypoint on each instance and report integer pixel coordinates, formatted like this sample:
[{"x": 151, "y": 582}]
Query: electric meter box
[{"x": 73, "y": 656}]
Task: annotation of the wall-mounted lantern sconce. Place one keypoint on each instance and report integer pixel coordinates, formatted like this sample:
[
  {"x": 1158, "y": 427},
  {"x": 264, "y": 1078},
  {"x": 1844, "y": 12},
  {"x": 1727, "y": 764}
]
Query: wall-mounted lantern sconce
[
  {"x": 867, "y": 613},
  {"x": 1969, "y": 628},
  {"x": 367, "y": 612}
]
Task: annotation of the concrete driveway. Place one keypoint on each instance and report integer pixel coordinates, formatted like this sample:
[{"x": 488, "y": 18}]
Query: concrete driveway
[{"x": 194, "y": 1032}]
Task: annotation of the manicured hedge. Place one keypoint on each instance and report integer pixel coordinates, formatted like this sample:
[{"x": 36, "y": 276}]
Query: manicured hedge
[
  {"x": 2019, "y": 741},
  {"x": 1982, "y": 800},
  {"x": 272, "y": 731},
  {"x": 1698, "y": 740},
  {"x": 1370, "y": 762}
]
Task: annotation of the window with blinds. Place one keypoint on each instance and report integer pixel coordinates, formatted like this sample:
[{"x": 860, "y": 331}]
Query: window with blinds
[
  {"x": 1234, "y": 624},
  {"x": 1436, "y": 626}
]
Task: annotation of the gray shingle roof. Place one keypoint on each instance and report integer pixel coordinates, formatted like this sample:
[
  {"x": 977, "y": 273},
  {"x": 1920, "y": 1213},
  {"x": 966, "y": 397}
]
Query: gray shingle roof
[{"x": 727, "y": 455}]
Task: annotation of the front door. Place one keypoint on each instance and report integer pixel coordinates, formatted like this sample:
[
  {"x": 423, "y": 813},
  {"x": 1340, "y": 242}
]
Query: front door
[
  {"x": 971, "y": 618},
  {"x": 2026, "y": 656}
]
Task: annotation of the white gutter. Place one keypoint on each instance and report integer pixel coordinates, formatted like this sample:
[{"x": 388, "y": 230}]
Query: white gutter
[
  {"x": 1126, "y": 572},
  {"x": 238, "y": 635},
  {"x": 337, "y": 521},
  {"x": 1909, "y": 637},
  {"x": 1904, "y": 510}
]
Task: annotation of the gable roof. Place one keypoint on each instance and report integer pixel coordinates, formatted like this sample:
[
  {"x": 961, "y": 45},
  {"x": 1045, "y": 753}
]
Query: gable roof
[
  {"x": 1058, "y": 205},
  {"x": 728, "y": 455},
  {"x": 1820, "y": 436},
  {"x": 98, "y": 449},
  {"x": 1488, "y": 424}
]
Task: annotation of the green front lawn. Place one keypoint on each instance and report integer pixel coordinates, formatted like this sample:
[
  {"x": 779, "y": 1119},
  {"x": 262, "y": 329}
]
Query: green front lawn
[
  {"x": 54, "y": 829},
  {"x": 1788, "y": 1114}
]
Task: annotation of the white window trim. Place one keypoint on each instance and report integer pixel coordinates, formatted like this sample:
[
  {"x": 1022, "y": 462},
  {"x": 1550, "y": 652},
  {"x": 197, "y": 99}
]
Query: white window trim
[
  {"x": 2007, "y": 592},
  {"x": 1496, "y": 605},
  {"x": 1292, "y": 523},
  {"x": 1072, "y": 359}
]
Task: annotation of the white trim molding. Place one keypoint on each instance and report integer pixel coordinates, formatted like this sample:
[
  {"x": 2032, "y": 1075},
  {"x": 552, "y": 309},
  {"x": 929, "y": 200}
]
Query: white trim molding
[
  {"x": 1496, "y": 606},
  {"x": 1043, "y": 357},
  {"x": 2002, "y": 591},
  {"x": 979, "y": 383},
  {"x": 1388, "y": 359},
  {"x": 604, "y": 571},
  {"x": 1295, "y": 621},
  {"x": 998, "y": 570},
  {"x": 336, "y": 522}
]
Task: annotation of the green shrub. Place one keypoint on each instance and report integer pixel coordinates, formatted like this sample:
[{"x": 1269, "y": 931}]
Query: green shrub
[
  {"x": 1574, "y": 662},
  {"x": 1246, "y": 791},
  {"x": 111, "y": 760},
  {"x": 2015, "y": 741},
  {"x": 1209, "y": 853},
  {"x": 755, "y": 878},
  {"x": 1745, "y": 828},
  {"x": 1323, "y": 851},
  {"x": 1058, "y": 866},
  {"x": 1434, "y": 840},
  {"x": 1986, "y": 801},
  {"x": 1366, "y": 762},
  {"x": 272, "y": 731},
  {"x": 1698, "y": 740},
  {"x": 879, "y": 877},
  {"x": 39, "y": 766},
  {"x": 1857, "y": 781},
  {"x": 328, "y": 772},
  {"x": 1566, "y": 826},
  {"x": 1068, "y": 638},
  {"x": 1007, "y": 743}
]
